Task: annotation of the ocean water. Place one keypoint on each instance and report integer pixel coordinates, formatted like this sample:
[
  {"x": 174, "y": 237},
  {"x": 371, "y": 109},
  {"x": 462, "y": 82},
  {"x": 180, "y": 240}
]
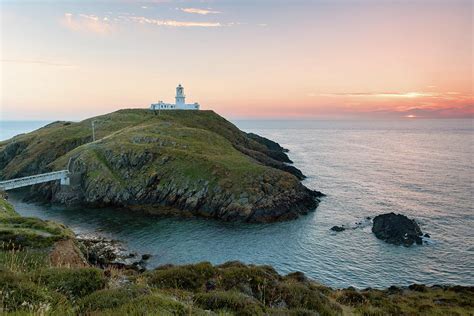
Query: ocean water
[
  {"x": 9, "y": 129},
  {"x": 421, "y": 168}
]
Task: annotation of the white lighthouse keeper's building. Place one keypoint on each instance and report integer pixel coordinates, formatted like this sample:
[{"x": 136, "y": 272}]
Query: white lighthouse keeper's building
[{"x": 179, "y": 105}]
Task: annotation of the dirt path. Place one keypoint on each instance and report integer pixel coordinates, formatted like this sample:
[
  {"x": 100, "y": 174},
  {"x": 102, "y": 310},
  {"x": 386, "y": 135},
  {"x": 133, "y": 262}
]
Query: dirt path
[{"x": 66, "y": 254}]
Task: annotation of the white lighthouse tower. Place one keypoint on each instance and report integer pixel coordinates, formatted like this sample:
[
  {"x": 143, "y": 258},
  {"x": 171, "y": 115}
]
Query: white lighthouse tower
[
  {"x": 179, "y": 105},
  {"x": 180, "y": 96}
]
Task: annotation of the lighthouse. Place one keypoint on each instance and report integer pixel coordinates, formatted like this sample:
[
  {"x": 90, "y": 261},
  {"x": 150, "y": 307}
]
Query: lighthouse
[
  {"x": 180, "y": 95},
  {"x": 180, "y": 103}
]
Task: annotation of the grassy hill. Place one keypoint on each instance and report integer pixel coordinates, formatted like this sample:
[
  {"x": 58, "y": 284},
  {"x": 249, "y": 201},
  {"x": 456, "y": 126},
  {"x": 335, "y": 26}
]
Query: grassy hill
[{"x": 179, "y": 162}]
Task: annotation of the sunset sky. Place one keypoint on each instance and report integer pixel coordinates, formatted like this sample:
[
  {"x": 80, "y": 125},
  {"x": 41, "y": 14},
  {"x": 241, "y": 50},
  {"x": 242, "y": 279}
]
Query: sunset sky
[{"x": 241, "y": 58}]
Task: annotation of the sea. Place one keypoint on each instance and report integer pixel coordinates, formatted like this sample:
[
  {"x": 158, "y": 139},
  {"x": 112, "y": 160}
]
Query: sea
[{"x": 418, "y": 167}]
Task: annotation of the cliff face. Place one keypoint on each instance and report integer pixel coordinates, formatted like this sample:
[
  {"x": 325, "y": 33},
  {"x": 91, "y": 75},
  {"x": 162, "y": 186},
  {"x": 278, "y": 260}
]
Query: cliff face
[{"x": 177, "y": 162}]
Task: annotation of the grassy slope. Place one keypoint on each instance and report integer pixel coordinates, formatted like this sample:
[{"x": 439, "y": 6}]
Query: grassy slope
[
  {"x": 200, "y": 143},
  {"x": 140, "y": 157},
  {"x": 6, "y": 209},
  {"x": 203, "y": 289},
  {"x": 179, "y": 154},
  {"x": 61, "y": 137},
  {"x": 19, "y": 232}
]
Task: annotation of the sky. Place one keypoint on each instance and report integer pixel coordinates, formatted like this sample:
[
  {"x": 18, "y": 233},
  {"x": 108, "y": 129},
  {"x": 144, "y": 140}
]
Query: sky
[{"x": 242, "y": 59}]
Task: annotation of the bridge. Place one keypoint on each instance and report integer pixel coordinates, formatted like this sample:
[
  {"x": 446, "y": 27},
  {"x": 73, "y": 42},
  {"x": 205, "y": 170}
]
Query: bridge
[{"x": 62, "y": 175}]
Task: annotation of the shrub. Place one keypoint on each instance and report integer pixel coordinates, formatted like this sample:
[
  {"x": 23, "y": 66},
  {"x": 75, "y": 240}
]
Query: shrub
[
  {"x": 259, "y": 282},
  {"x": 18, "y": 293},
  {"x": 23, "y": 260},
  {"x": 154, "y": 304},
  {"x": 73, "y": 283},
  {"x": 236, "y": 302},
  {"x": 351, "y": 297},
  {"x": 186, "y": 277},
  {"x": 371, "y": 311},
  {"x": 378, "y": 298},
  {"x": 297, "y": 276},
  {"x": 292, "y": 312},
  {"x": 417, "y": 287},
  {"x": 301, "y": 296},
  {"x": 109, "y": 298}
]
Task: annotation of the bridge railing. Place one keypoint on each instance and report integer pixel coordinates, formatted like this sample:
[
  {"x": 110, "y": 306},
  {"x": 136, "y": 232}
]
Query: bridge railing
[{"x": 62, "y": 175}]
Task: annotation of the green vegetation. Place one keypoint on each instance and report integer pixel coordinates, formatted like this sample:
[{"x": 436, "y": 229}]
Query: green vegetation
[
  {"x": 6, "y": 209},
  {"x": 197, "y": 136},
  {"x": 25, "y": 260},
  {"x": 153, "y": 304},
  {"x": 435, "y": 300},
  {"x": 110, "y": 298},
  {"x": 73, "y": 283},
  {"x": 192, "y": 161},
  {"x": 188, "y": 277},
  {"x": 171, "y": 151},
  {"x": 251, "y": 290},
  {"x": 231, "y": 302},
  {"x": 19, "y": 293},
  {"x": 27, "y": 232}
]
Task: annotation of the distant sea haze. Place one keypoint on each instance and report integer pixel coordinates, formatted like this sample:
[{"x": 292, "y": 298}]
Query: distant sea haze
[
  {"x": 8, "y": 129},
  {"x": 421, "y": 168}
]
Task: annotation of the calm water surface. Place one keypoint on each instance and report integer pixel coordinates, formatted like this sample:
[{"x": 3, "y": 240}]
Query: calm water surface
[{"x": 421, "y": 168}]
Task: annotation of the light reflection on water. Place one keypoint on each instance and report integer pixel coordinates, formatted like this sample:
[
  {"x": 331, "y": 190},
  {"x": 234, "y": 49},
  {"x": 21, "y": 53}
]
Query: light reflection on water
[{"x": 419, "y": 168}]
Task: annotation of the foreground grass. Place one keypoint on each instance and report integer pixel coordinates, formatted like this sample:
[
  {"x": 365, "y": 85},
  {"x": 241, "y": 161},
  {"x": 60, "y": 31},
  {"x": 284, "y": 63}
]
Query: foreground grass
[{"x": 202, "y": 289}]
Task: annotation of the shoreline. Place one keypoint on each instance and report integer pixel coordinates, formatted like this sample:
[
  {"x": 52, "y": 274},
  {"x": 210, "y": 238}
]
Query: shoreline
[
  {"x": 125, "y": 249},
  {"x": 238, "y": 288}
]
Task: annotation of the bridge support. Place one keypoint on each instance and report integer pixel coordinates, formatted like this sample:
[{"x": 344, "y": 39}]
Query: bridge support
[{"x": 65, "y": 181}]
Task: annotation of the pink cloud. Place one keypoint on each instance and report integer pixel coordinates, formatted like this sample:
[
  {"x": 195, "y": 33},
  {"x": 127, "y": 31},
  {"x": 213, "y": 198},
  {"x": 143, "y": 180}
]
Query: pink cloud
[
  {"x": 87, "y": 23},
  {"x": 173, "y": 23},
  {"x": 199, "y": 11}
]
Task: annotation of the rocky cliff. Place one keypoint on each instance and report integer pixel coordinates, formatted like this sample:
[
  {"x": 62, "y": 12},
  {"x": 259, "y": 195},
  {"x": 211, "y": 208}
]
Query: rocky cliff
[{"x": 175, "y": 162}]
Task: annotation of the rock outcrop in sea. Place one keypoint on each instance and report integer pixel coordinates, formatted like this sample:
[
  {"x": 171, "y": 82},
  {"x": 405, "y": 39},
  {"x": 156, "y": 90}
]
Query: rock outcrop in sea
[
  {"x": 186, "y": 163},
  {"x": 397, "y": 229}
]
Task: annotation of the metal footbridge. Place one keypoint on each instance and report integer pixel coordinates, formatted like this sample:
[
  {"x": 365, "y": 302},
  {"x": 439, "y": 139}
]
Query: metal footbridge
[{"x": 62, "y": 175}]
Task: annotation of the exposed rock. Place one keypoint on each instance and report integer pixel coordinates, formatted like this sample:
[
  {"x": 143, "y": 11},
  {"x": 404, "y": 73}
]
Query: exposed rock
[
  {"x": 298, "y": 276},
  {"x": 418, "y": 287},
  {"x": 146, "y": 256},
  {"x": 397, "y": 229},
  {"x": 338, "y": 228},
  {"x": 103, "y": 252},
  {"x": 426, "y": 235},
  {"x": 357, "y": 225},
  {"x": 274, "y": 149}
]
